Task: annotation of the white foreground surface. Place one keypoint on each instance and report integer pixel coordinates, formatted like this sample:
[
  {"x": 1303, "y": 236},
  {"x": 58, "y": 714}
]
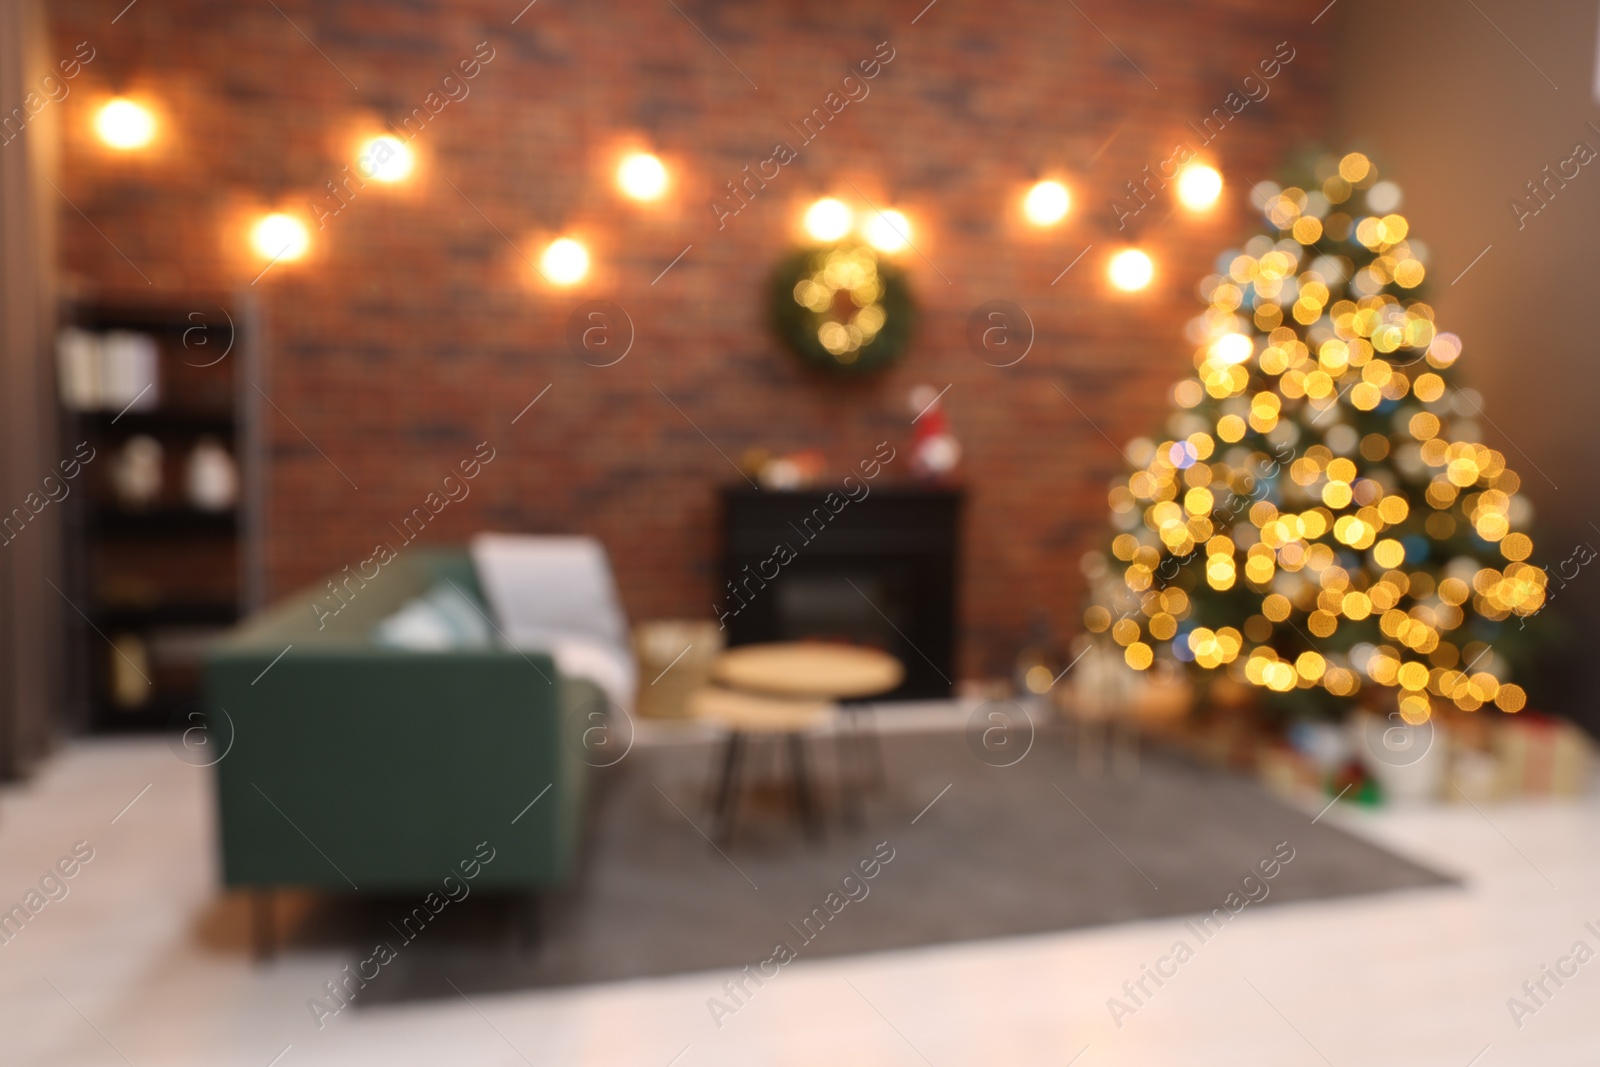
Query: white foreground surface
[{"x": 117, "y": 972}]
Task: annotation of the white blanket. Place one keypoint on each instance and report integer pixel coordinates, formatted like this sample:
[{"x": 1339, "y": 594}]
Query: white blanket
[{"x": 556, "y": 595}]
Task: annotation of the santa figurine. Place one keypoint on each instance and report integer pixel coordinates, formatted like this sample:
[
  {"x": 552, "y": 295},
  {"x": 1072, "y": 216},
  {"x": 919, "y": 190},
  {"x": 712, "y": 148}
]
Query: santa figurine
[{"x": 935, "y": 452}]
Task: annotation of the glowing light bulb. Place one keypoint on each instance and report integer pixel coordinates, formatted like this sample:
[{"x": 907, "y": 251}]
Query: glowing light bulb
[
  {"x": 1046, "y": 203},
  {"x": 125, "y": 125},
  {"x": 888, "y": 231},
  {"x": 642, "y": 177},
  {"x": 386, "y": 159},
  {"x": 280, "y": 238},
  {"x": 1130, "y": 270},
  {"x": 828, "y": 219},
  {"x": 1232, "y": 348},
  {"x": 1199, "y": 186},
  {"x": 565, "y": 262}
]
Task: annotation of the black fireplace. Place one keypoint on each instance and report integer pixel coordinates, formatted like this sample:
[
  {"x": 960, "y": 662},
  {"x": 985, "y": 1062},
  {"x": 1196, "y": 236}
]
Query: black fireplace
[{"x": 877, "y": 571}]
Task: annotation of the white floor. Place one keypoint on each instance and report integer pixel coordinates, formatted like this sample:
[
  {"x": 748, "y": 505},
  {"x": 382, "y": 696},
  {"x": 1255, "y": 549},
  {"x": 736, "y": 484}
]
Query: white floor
[{"x": 119, "y": 971}]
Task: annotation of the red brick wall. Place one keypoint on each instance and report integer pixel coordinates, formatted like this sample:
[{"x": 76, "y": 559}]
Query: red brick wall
[{"x": 415, "y": 330}]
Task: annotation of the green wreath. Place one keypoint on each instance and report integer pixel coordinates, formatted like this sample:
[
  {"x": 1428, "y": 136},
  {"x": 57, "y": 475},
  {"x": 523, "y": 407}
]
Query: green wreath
[{"x": 843, "y": 308}]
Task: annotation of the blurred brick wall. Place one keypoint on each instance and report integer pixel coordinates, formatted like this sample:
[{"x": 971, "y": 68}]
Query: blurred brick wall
[{"x": 415, "y": 330}]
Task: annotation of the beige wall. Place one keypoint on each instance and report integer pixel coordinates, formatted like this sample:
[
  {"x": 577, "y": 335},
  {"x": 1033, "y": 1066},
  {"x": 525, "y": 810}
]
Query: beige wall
[{"x": 1464, "y": 121}]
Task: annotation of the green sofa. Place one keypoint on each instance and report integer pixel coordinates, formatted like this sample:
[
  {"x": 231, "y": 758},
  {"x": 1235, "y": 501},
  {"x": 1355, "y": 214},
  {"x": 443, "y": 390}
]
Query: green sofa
[{"x": 359, "y": 767}]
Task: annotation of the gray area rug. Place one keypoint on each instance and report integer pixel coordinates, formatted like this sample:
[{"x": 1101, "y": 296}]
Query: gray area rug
[{"x": 1024, "y": 849}]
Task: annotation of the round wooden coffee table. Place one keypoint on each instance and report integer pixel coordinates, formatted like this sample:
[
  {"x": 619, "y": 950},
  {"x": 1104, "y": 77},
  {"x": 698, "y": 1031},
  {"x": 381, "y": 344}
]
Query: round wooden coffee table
[
  {"x": 809, "y": 669},
  {"x": 789, "y": 689}
]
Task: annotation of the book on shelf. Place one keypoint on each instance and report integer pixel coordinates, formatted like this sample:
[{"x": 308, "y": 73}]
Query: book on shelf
[{"x": 111, "y": 371}]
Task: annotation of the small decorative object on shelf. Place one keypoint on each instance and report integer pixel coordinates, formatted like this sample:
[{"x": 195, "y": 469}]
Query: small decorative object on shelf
[
  {"x": 786, "y": 473},
  {"x": 129, "y": 664},
  {"x": 842, "y": 308},
  {"x": 136, "y": 472},
  {"x": 211, "y": 480},
  {"x": 1319, "y": 520}
]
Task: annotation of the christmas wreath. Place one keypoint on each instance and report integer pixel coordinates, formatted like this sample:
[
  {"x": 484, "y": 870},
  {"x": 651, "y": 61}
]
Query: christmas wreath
[{"x": 843, "y": 308}]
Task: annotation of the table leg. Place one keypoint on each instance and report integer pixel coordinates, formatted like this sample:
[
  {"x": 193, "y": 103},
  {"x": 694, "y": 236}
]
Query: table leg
[
  {"x": 728, "y": 787},
  {"x": 861, "y": 768},
  {"x": 802, "y": 787},
  {"x": 864, "y": 723},
  {"x": 848, "y": 747}
]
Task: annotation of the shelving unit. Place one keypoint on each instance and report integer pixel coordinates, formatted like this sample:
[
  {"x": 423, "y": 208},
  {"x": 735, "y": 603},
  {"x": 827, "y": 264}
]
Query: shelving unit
[{"x": 154, "y": 583}]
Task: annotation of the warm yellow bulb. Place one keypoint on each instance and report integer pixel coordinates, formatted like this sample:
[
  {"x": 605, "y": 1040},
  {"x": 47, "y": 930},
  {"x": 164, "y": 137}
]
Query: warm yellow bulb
[
  {"x": 1047, "y": 203},
  {"x": 888, "y": 231},
  {"x": 386, "y": 159},
  {"x": 565, "y": 262},
  {"x": 125, "y": 125},
  {"x": 1130, "y": 270},
  {"x": 1230, "y": 348},
  {"x": 280, "y": 238},
  {"x": 1199, "y": 186},
  {"x": 642, "y": 177},
  {"x": 828, "y": 219}
]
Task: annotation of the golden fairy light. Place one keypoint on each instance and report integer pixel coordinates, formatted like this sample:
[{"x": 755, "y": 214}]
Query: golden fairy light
[
  {"x": 828, "y": 219},
  {"x": 887, "y": 231},
  {"x": 1130, "y": 270},
  {"x": 1199, "y": 186},
  {"x": 1046, "y": 203},
  {"x": 280, "y": 237},
  {"x": 565, "y": 261},
  {"x": 1320, "y": 493},
  {"x": 124, "y": 124},
  {"x": 386, "y": 159},
  {"x": 642, "y": 176}
]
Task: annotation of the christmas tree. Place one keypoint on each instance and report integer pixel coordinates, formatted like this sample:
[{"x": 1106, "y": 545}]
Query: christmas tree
[{"x": 1320, "y": 520}]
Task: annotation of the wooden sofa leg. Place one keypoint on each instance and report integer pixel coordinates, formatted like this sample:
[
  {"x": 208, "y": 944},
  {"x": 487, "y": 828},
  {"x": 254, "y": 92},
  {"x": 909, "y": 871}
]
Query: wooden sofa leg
[{"x": 261, "y": 924}]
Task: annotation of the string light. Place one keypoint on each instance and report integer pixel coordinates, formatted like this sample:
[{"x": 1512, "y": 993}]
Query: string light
[
  {"x": 1130, "y": 270},
  {"x": 125, "y": 125},
  {"x": 565, "y": 261},
  {"x": 280, "y": 238},
  {"x": 1199, "y": 186},
  {"x": 1046, "y": 203},
  {"x": 386, "y": 159},
  {"x": 887, "y": 231},
  {"x": 642, "y": 176},
  {"x": 828, "y": 219}
]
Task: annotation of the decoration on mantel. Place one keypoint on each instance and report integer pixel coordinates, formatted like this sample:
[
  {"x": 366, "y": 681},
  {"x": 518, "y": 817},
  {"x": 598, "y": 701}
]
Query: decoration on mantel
[
  {"x": 935, "y": 452},
  {"x": 842, "y": 308}
]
